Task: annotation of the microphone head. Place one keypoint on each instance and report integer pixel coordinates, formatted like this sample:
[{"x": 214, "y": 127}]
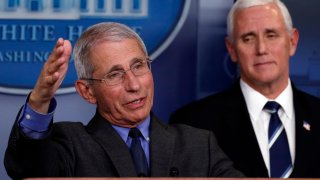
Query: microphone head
[
  {"x": 174, "y": 172},
  {"x": 142, "y": 175}
]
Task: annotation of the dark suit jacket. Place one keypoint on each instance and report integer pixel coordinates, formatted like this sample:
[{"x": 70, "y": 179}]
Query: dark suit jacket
[
  {"x": 227, "y": 115},
  {"x": 96, "y": 150}
]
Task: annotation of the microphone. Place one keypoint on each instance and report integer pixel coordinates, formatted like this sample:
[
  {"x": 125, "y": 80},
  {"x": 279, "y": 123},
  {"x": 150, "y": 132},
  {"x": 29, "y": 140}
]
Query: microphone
[
  {"x": 142, "y": 175},
  {"x": 174, "y": 172}
]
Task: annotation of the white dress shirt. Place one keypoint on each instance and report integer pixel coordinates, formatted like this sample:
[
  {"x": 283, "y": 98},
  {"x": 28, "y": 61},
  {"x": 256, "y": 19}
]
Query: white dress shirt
[{"x": 255, "y": 102}]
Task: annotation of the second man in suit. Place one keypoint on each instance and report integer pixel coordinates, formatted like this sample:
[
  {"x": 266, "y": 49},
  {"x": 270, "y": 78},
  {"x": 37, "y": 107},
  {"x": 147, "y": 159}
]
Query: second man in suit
[{"x": 261, "y": 39}]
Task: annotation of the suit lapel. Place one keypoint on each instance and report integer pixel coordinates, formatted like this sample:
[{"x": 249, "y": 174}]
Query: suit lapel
[
  {"x": 244, "y": 135},
  {"x": 161, "y": 148},
  {"x": 303, "y": 137},
  {"x": 240, "y": 120},
  {"x": 113, "y": 145}
]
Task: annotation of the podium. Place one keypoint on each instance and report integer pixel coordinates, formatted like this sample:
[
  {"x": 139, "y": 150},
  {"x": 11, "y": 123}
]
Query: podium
[{"x": 159, "y": 178}]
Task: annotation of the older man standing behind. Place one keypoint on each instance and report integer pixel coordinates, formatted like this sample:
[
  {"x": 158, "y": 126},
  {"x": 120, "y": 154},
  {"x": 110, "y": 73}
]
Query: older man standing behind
[{"x": 265, "y": 125}]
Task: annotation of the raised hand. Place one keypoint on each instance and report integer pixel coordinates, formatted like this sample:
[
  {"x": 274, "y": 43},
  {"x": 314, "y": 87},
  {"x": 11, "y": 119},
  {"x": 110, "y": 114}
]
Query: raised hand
[{"x": 51, "y": 76}]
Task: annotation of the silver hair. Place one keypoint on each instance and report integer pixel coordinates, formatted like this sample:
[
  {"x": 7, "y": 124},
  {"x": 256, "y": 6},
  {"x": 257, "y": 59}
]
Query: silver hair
[
  {"x": 98, "y": 33},
  {"x": 241, "y": 4}
]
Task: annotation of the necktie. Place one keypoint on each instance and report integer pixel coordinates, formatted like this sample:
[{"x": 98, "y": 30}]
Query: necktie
[
  {"x": 280, "y": 159},
  {"x": 137, "y": 153}
]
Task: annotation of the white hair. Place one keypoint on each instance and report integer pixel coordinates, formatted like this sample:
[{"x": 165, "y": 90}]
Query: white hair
[
  {"x": 241, "y": 4},
  {"x": 102, "y": 32}
]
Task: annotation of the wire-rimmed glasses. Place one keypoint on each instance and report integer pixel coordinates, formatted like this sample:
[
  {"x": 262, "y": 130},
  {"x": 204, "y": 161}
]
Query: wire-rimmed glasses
[{"x": 138, "y": 68}]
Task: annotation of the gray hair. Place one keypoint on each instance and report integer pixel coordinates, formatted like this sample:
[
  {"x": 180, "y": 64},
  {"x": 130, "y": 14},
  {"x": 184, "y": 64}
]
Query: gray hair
[
  {"x": 241, "y": 4},
  {"x": 102, "y": 32}
]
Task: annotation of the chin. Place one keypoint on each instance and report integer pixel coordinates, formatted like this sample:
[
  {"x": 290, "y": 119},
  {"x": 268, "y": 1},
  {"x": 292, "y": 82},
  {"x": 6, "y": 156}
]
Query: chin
[{"x": 139, "y": 116}]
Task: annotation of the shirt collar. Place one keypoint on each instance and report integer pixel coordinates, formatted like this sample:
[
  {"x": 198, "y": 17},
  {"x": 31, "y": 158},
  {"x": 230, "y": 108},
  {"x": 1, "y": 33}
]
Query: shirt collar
[
  {"x": 285, "y": 99},
  {"x": 255, "y": 101},
  {"x": 143, "y": 127}
]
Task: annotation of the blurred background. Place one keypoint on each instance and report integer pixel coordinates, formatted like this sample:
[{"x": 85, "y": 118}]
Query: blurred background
[{"x": 185, "y": 38}]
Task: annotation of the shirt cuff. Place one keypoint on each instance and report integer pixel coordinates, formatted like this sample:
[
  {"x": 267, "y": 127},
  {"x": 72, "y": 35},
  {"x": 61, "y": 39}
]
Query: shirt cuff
[{"x": 34, "y": 124}]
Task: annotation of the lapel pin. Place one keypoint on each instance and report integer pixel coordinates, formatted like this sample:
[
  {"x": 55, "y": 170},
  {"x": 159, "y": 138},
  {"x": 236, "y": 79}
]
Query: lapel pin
[{"x": 306, "y": 126}]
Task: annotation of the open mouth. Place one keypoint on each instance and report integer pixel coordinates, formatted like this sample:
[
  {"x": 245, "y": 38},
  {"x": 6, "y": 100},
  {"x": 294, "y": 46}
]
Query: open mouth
[{"x": 137, "y": 103}]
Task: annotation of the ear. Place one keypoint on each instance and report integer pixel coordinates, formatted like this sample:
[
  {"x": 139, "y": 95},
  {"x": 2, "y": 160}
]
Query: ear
[
  {"x": 231, "y": 50},
  {"x": 294, "y": 38},
  {"x": 85, "y": 91}
]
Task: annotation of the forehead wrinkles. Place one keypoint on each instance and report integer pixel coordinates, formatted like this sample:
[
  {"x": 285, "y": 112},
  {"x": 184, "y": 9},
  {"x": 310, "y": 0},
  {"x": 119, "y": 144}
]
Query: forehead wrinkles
[
  {"x": 111, "y": 55},
  {"x": 98, "y": 59},
  {"x": 253, "y": 17}
]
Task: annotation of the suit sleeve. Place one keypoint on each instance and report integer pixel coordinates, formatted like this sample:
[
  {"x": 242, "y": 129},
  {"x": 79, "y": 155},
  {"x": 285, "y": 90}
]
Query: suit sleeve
[
  {"x": 25, "y": 157},
  {"x": 221, "y": 165}
]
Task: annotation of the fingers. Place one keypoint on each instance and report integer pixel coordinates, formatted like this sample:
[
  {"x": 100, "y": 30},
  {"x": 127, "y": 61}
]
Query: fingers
[
  {"x": 60, "y": 54},
  {"x": 57, "y": 63},
  {"x": 57, "y": 50},
  {"x": 62, "y": 50},
  {"x": 55, "y": 67},
  {"x": 52, "y": 75},
  {"x": 52, "y": 79},
  {"x": 67, "y": 49}
]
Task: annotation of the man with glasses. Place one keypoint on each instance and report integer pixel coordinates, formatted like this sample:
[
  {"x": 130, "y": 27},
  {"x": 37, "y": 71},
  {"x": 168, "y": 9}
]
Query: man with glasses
[{"x": 123, "y": 139}]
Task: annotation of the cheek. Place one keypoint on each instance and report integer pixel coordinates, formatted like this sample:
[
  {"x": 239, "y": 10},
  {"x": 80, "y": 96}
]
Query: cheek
[
  {"x": 245, "y": 58},
  {"x": 244, "y": 52},
  {"x": 281, "y": 47},
  {"x": 110, "y": 100},
  {"x": 151, "y": 94},
  {"x": 281, "y": 55},
  {"x": 149, "y": 84}
]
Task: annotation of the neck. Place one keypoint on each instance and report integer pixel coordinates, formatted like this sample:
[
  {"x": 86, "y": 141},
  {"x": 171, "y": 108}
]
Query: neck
[{"x": 270, "y": 90}]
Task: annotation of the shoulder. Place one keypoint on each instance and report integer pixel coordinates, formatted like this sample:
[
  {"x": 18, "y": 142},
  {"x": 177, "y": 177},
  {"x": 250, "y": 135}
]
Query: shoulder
[
  {"x": 68, "y": 129},
  {"x": 68, "y": 125},
  {"x": 191, "y": 139},
  {"x": 207, "y": 107},
  {"x": 224, "y": 97},
  {"x": 178, "y": 131},
  {"x": 200, "y": 105},
  {"x": 305, "y": 97},
  {"x": 307, "y": 108},
  {"x": 188, "y": 134},
  {"x": 306, "y": 102},
  {"x": 209, "y": 100},
  {"x": 73, "y": 136},
  {"x": 186, "y": 129}
]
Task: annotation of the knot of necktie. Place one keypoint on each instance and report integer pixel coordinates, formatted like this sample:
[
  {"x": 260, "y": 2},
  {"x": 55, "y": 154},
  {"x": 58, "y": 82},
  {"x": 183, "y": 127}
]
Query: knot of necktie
[
  {"x": 272, "y": 107},
  {"x": 135, "y": 133}
]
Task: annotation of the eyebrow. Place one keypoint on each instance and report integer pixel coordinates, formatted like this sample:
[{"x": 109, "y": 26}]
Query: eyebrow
[
  {"x": 136, "y": 59},
  {"x": 251, "y": 33},
  {"x": 115, "y": 68},
  {"x": 270, "y": 30},
  {"x": 120, "y": 67}
]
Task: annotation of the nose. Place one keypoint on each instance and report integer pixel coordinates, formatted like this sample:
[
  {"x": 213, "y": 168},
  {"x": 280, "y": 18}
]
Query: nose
[
  {"x": 131, "y": 82},
  {"x": 261, "y": 46}
]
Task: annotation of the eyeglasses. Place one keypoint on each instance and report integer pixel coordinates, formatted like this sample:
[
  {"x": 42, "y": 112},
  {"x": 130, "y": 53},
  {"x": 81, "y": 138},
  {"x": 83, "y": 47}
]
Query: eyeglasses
[{"x": 138, "y": 68}]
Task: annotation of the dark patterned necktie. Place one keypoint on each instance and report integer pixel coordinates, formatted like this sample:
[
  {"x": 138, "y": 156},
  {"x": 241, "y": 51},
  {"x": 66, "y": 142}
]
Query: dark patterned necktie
[
  {"x": 137, "y": 153},
  {"x": 280, "y": 158}
]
